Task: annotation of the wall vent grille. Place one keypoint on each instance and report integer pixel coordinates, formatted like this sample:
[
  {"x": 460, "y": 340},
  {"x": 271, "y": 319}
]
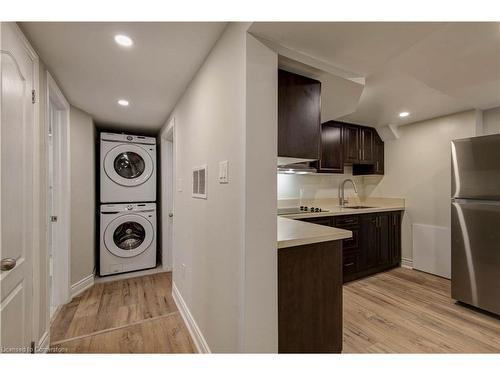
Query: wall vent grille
[{"x": 200, "y": 182}]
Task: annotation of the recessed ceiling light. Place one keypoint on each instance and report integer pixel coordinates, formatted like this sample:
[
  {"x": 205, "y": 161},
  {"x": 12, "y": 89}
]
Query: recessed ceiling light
[
  {"x": 123, "y": 40},
  {"x": 404, "y": 114},
  {"x": 123, "y": 102}
]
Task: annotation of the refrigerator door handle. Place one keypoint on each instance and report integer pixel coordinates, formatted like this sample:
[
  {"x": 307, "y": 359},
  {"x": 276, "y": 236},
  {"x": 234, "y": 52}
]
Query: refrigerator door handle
[{"x": 475, "y": 201}]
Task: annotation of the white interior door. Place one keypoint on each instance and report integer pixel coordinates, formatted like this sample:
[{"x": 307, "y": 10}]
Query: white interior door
[
  {"x": 58, "y": 195},
  {"x": 17, "y": 192}
]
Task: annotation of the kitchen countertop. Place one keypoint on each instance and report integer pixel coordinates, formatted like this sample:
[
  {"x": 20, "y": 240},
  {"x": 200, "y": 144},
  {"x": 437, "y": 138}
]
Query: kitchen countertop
[
  {"x": 294, "y": 233},
  {"x": 374, "y": 204}
]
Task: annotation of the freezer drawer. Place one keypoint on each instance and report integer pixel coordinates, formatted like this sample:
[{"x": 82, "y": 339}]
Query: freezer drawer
[
  {"x": 475, "y": 253},
  {"x": 475, "y": 166}
]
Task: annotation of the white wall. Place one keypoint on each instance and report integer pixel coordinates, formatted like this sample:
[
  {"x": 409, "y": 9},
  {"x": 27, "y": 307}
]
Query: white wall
[
  {"x": 417, "y": 168},
  {"x": 491, "y": 121},
  {"x": 260, "y": 312},
  {"x": 82, "y": 150},
  {"x": 208, "y": 234},
  {"x": 318, "y": 186},
  {"x": 224, "y": 247}
]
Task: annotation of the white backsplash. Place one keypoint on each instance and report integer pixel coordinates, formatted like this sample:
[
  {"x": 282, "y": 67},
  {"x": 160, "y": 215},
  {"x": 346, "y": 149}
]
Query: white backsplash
[{"x": 322, "y": 186}]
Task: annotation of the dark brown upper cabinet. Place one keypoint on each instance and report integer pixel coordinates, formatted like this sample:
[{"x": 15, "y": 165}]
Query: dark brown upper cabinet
[
  {"x": 331, "y": 148},
  {"x": 299, "y": 114},
  {"x": 363, "y": 149},
  {"x": 359, "y": 144},
  {"x": 379, "y": 155},
  {"x": 366, "y": 152},
  {"x": 351, "y": 144}
]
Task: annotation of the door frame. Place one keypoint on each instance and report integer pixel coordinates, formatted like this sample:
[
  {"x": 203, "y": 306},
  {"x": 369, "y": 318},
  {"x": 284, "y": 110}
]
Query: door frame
[
  {"x": 167, "y": 168},
  {"x": 62, "y": 256}
]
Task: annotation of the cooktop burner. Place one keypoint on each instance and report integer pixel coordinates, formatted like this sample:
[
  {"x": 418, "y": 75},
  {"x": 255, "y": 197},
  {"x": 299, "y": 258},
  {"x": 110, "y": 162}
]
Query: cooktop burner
[{"x": 299, "y": 210}]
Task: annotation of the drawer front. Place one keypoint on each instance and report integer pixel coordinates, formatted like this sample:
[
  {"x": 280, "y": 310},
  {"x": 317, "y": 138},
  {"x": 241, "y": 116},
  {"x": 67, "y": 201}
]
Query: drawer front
[
  {"x": 350, "y": 220},
  {"x": 319, "y": 220},
  {"x": 353, "y": 242},
  {"x": 350, "y": 263}
]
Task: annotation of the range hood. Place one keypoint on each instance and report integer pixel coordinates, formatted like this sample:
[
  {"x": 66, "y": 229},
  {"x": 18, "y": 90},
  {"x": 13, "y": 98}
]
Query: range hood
[{"x": 295, "y": 166}]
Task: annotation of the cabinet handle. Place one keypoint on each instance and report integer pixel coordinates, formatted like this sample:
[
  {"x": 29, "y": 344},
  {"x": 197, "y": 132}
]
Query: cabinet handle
[
  {"x": 349, "y": 264},
  {"x": 348, "y": 221}
]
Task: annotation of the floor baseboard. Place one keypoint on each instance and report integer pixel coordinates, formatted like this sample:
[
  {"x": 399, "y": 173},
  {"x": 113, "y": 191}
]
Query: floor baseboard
[
  {"x": 407, "y": 263},
  {"x": 82, "y": 285},
  {"x": 196, "y": 335},
  {"x": 128, "y": 275},
  {"x": 43, "y": 343}
]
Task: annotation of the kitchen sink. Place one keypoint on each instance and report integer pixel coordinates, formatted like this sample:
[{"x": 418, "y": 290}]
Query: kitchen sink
[{"x": 358, "y": 207}]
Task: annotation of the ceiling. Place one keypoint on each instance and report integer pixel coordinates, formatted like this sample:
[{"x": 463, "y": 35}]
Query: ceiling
[
  {"x": 94, "y": 72},
  {"x": 427, "y": 69}
]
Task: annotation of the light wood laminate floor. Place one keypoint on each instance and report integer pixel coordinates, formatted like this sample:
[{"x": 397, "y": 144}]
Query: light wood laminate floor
[
  {"x": 136, "y": 315},
  {"x": 407, "y": 311},
  {"x": 399, "y": 311}
]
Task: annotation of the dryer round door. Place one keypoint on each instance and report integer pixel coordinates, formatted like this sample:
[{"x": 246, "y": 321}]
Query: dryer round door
[
  {"x": 128, "y": 165},
  {"x": 128, "y": 235}
]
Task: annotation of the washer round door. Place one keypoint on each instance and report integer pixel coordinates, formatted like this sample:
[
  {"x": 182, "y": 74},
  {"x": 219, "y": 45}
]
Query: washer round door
[
  {"x": 128, "y": 235},
  {"x": 128, "y": 165}
]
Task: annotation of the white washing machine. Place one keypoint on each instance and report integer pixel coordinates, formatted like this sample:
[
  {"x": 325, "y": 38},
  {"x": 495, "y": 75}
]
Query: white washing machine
[
  {"x": 128, "y": 237},
  {"x": 128, "y": 168}
]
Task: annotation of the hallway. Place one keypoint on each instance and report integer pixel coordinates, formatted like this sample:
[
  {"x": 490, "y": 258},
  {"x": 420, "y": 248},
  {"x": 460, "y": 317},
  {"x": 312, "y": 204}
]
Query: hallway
[{"x": 136, "y": 315}]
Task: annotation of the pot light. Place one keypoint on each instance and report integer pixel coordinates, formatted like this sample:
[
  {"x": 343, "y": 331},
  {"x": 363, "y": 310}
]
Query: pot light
[
  {"x": 123, "y": 40},
  {"x": 123, "y": 102},
  {"x": 404, "y": 114}
]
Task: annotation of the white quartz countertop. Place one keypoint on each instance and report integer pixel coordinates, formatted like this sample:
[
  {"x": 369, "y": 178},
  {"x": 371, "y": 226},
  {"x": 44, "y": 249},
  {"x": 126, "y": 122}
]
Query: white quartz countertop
[
  {"x": 295, "y": 233},
  {"x": 372, "y": 204}
]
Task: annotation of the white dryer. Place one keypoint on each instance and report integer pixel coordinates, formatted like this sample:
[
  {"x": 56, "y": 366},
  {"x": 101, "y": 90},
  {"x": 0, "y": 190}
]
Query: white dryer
[
  {"x": 128, "y": 168},
  {"x": 128, "y": 237}
]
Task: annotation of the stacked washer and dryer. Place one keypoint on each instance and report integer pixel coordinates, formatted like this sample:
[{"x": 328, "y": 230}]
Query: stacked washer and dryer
[{"x": 128, "y": 208}]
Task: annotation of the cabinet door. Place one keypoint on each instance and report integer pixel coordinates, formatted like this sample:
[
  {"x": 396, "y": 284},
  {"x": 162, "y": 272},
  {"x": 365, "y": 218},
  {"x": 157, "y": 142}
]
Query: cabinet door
[
  {"x": 332, "y": 156},
  {"x": 351, "y": 144},
  {"x": 368, "y": 241},
  {"x": 395, "y": 238},
  {"x": 350, "y": 246},
  {"x": 299, "y": 111},
  {"x": 384, "y": 230},
  {"x": 379, "y": 154},
  {"x": 366, "y": 154}
]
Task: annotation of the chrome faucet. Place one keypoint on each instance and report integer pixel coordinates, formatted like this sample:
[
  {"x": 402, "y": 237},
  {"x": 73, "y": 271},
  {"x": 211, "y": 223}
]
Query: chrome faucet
[{"x": 342, "y": 200}]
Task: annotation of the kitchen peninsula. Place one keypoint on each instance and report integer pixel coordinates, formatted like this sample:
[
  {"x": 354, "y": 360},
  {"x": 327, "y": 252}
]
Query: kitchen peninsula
[{"x": 309, "y": 287}]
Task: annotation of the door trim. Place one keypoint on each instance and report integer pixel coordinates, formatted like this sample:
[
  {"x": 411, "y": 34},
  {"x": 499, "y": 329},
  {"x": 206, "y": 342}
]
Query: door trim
[
  {"x": 166, "y": 188},
  {"x": 62, "y": 257}
]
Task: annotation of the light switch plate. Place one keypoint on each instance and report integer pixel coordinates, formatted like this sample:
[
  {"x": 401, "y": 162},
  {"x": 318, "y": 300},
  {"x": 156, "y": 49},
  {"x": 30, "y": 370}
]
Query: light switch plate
[
  {"x": 179, "y": 185},
  {"x": 223, "y": 172}
]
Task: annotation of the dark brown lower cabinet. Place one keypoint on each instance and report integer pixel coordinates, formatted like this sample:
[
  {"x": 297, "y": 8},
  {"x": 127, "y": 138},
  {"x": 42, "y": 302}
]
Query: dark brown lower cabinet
[
  {"x": 378, "y": 246},
  {"x": 310, "y": 298},
  {"x": 375, "y": 244}
]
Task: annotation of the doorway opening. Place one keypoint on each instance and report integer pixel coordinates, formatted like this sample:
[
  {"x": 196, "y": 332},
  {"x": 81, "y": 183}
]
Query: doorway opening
[{"x": 58, "y": 200}]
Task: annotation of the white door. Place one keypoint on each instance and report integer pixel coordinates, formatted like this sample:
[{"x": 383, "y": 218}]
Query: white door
[{"x": 17, "y": 192}]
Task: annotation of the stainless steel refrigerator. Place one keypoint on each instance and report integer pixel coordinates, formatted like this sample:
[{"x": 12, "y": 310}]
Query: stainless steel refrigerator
[{"x": 475, "y": 221}]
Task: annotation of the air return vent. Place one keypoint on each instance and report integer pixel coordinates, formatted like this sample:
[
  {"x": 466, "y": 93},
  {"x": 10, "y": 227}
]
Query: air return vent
[{"x": 200, "y": 182}]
